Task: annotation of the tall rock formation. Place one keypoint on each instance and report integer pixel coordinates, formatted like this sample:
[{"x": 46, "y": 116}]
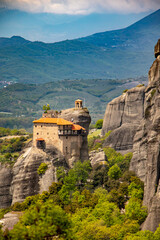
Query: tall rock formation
[
  {"x": 123, "y": 116},
  {"x": 82, "y": 118},
  {"x": 146, "y": 147},
  {"x": 22, "y": 180},
  {"x": 26, "y": 181}
]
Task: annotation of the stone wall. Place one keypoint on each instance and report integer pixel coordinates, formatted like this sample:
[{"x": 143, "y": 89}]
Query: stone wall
[{"x": 49, "y": 132}]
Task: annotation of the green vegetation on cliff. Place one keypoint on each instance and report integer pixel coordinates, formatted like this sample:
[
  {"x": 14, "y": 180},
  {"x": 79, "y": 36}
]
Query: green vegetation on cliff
[
  {"x": 85, "y": 204},
  {"x": 11, "y": 145}
]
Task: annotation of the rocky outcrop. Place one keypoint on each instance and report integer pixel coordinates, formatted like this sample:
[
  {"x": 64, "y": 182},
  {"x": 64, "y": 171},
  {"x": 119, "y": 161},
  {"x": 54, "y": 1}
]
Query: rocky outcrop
[
  {"x": 26, "y": 181},
  {"x": 121, "y": 139},
  {"x": 81, "y": 117},
  {"x": 123, "y": 116},
  {"x": 134, "y": 118},
  {"x": 22, "y": 180},
  {"x": 78, "y": 116},
  {"x": 146, "y": 147},
  {"x": 9, "y": 220},
  {"x": 97, "y": 158},
  {"x": 5, "y": 184}
]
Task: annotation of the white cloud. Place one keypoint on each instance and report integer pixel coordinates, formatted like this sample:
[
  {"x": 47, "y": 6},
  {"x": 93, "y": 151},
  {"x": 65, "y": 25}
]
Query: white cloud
[{"x": 82, "y": 6}]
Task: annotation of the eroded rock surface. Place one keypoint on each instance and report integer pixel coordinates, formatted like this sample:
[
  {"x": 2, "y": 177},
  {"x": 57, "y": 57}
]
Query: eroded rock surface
[
  {"x": 5, "y": 184},
  {"x": 97, "y": 158},
  {"x": 9, "y": 220},
  {"x": 26, "y": 181},
  {"x": 123, "y": 116},
  {"x": 146, "y": 148}
]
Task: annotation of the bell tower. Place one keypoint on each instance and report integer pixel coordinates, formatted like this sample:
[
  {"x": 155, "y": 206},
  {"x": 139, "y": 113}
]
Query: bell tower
[{"x": 78, "y": 104}]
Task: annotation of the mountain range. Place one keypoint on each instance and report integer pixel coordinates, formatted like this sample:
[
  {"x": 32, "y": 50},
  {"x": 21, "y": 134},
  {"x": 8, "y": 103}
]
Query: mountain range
[
  {"x": 51, "y": 27},
  {"x": 114, "y": 54}
]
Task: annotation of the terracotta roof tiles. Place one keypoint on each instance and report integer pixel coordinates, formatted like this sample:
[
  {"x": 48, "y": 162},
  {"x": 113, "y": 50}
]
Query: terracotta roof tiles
[{"x": 59, "y": 121}]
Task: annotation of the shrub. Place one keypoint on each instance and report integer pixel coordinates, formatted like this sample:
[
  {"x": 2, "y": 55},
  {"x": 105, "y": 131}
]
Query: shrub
[
  {"x": 18, "y": 206},
  {"x": 153, "y": 92},
  {"x": 135, "y": 210},
  {"x": 140, "y": 85},
  {"x": 126, "y": 90},
  {"x": 46, "y": 108},
  {"x": 99, "y": 124},
  {"x": 42, "y": 168},
  {"x": 55, "y": 187},
  {"x": 114, "y": 172},
  {"x": 147, "y": 112}
]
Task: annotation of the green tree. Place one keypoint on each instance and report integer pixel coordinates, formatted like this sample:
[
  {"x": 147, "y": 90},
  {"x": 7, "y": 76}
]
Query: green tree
[
  {"x": 157, "y": 234},
  {"x": 114, "y": 172},
  {"x": 141, "y": 235},
  {"x": 42, "y": 221},
  {"x": 42, "y": 168},
  {"x": 75, "y": 179},
  {"x": 135, "y": 191},
  {"x": 135, "y": 210},
  {"x": 99, "y": 124},
  {"x": 46, "y": 108}
]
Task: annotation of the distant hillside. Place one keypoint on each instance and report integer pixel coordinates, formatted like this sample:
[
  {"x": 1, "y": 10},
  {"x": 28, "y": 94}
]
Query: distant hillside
[
  {"x": 114, "y": 54},
  {"x": 19, "y": 100}
]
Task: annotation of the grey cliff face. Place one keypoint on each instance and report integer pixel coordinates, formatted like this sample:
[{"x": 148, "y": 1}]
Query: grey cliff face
[
  {"x": 134, "y": 118},
  {"x": 97, "y": 158},
  {"x": 123, "y": 116},
  {"x": 5, "y": 183},
  {"x": 78, "y": 116},
  {"x": 146, "y": 148},
  {"x": 26, "y": 181}
]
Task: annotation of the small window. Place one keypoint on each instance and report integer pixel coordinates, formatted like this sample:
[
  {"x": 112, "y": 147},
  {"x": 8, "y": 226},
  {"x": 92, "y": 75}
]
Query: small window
[
  {"x": 66, "y": 149},
  {"x": 47, "y": 133},
  {"x": 41, "y": 125},
  {"x": 37, "y": 133},
  {"x": 35, "y": 125},
  {"x": 66, "y": 137}
]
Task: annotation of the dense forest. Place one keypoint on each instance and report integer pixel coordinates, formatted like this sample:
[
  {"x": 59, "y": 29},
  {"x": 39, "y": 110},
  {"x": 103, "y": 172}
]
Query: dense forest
[{"x": 102, "y": 202}]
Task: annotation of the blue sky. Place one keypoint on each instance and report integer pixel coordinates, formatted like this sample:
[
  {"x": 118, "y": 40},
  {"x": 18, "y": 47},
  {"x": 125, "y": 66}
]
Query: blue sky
[{"x": 56, "y": 20}]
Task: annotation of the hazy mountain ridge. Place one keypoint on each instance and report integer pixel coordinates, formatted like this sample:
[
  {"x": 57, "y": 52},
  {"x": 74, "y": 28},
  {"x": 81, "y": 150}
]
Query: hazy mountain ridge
[
  {"x": 113, "y": 54},
  {"x": 140, "y": 35},
  {"x": 49, "y": 27}
]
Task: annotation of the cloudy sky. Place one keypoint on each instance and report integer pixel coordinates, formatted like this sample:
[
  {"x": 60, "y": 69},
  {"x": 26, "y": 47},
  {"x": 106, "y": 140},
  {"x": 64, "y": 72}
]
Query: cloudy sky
[
  {"x": 56, "y": 20},
  {"x": 76, "y": 7}
]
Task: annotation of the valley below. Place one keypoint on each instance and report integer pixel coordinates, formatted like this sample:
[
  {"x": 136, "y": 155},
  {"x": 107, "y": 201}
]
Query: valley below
[{"x": 21, "y": 103}]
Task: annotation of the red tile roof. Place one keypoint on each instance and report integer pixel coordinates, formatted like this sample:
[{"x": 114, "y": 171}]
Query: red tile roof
[
  {"x": 59, "y": 121},
  {"x": 77, "y": 127}
]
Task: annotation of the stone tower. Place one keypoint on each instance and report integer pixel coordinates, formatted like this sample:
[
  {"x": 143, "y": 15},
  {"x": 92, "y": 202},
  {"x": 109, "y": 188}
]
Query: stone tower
[{"x": 78, "y": 104}]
